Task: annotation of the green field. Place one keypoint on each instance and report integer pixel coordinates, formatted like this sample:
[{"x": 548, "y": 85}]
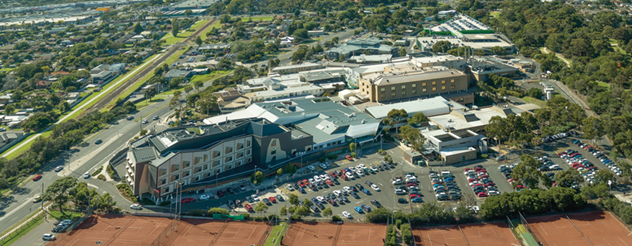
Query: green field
[
  {"x": 209, "y": 76},
  {"x": 603, "y": 84},
  {"x": 170, "y": 39},
  {"x": 534, "y": 101},
  {"x": 494, "y": 14},
  {"x": 267, "y": 18},
  {"x": 275, "y": 239}
]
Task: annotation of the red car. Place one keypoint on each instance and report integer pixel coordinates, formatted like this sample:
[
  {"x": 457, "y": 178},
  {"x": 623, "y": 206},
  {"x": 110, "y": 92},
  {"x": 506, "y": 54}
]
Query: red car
[
  {"x": 466, "y": 169},
  {"x": 413, "y": 196},
  {"x": 305, "y": 182},
  {"x": 478, "y": 168},
  {"x": 343, "y": 177},
  {"x": 519, "y": 187},
  {"x": 220, "y": 193},
  {"x": 272, "y": 199},
  {"x": 300, "y": 183},
  {"x": 332, "y": 174},
  {"x": 186, "y": 200},
  {"x": 482, "y": 194},
  {"x": 477, "y": 184},
  {"x": 248, "y": 207},
  {"x": 329, "y": 182},
  {"x": 37, "y": 177},
  {"x": 470, "y": 180},
  {"x": 489, "y": 184}
]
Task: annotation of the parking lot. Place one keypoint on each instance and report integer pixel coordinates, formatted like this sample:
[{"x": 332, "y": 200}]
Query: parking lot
[{"x": 382, "y": 179}]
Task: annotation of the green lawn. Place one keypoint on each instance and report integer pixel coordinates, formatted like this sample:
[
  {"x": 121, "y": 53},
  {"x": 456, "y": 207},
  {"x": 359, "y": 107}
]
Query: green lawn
[
  {"x": 170, "y": 39},
  {"x": 268, "y": 18},
  {"x": 273, "y": 235},
  {"x": 603, "y": 84},
  {"x": 7, "y": 69},
  {"x": 534, "y": 101},
  {"x": 494, "y": 14},
  {"x": 65, "y": 216},
  {"x": 209, "y": 76}
]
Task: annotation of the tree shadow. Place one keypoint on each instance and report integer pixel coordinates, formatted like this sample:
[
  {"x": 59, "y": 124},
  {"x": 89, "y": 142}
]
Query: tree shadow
[{"x": 22, "y": 191}]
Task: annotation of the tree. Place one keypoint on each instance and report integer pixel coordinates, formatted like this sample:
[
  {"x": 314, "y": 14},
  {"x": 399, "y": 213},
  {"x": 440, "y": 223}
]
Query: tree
[
  {"x": 138, "y": 28},
  {"x": 568, "y": 178},
  {"x": 81, "y": 195},
  {"x": 198, "y": 40},
  {"x": 402, "y": 52},
  {"x": 256, "y": 177},
  {"x": 297, "y": 13},
  {"x": 198, "y": 84},
  {"x": 441, "y": 46},
  {"x": 604, "y": 176},
  {"x": 302, "y": 211},
  {"x": 283, "y": 211},
  {"x": 58, "y": 191},
  {"x": 352, "y": 147},
  {"x": 188, "y": 89},
  {"x": 150, "y": 92},
  {"x": 104, "y": 203},
  {"x": 497, "y": 50},
  {"x": 527, "y": 172},
  {"x": 413, "y": 136},
  {"x": 174, "y": 27},
  {"x": 307, "y": 203},
  {"x": 301, "y": 35},
  {"x": 327, "y": 211},
  {"x": 175, "y": 101},
  {"x": 395, "y": 116},
  {"x": 218, "y": 211},
  {"x": 261, "y": 207},
  {"x": 280, "y": 172},
  {"x": 593, "y": 128},
  {"x": 188, "y": 13},
  {"x": 293, "y": 199},
  {"x": 417, "y": 118},
  {"x": 9, "y": 109}
]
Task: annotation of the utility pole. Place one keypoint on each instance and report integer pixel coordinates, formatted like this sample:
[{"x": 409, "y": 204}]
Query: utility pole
[{"x": 42, "y": 196}]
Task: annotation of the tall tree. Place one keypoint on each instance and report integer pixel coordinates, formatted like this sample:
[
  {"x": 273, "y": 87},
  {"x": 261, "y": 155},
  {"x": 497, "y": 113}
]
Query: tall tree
[
  {"x": 417, "y": 118},
  {"x": 593, "y": 128},
  {"x": 58, "y": 191},
  {"x": 395, "y": 116},
  {"x": 568, "y": 178},
  {"x": 413, "y": 136},
  {"x": 175, "y": 28},
  {"x": 138, "y": 28}
]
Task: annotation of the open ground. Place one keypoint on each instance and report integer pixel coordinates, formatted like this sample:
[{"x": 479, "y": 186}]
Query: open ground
[
  {"x": 469, "y": 234},
  {"x": 589, "y": 228}
]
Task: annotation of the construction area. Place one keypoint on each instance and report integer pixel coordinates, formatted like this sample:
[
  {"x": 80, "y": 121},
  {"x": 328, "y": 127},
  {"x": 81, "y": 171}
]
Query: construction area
[
  {"x": 322, "y": 234},
  {"x": 589, "y": 228},
  {"x": 468, "y": 234}
]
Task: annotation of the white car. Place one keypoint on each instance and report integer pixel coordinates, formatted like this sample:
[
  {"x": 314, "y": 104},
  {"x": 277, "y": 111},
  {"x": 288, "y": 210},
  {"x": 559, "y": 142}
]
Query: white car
[
  {"x": 374, "y": 169},
  {"x": 360, "y": 173},
  {"x": 311, "y": 180},
  {"x": 411, "y": 179},
  {"x": 320, "y": 198},
  {"x": 476, "y": 209},
  {"x": 86, "y": 175},
  {"x": 346, "y": 214},
  {"x": 375, "y": 187},
  {"x": 136, "y": 206},
  {"x": 347, "y": 188},
  {"x": 205, "y": 197},
  {"x": 353, "y": 169},
  {"x": 48, "y": 237},
  {"x": 349, "y": 175},
  {"x": 323, "y": 166},
  {"x": 290, "y": 188},
  {"x": 337, "y": 192},
  {"x": 311, "y": 168},
  {"x": 316, "y": 178},
  {"x": 324, "y": 177},
  {"x": 361, "y": 166}
]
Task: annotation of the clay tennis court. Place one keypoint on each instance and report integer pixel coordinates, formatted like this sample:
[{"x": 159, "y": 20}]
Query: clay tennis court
[
  {"x": 361, "y": 235},
  {"x": 241, "y": 233},
  {"x": 469, "y": 234},
  {"x": 310, "y": 234},
  {"x": 130, "y": 230},
  {"x": 599, "y": 227}
]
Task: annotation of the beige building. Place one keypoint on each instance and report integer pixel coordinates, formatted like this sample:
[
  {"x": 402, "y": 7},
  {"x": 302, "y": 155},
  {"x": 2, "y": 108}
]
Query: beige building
[{"x": 409, "y": 81}]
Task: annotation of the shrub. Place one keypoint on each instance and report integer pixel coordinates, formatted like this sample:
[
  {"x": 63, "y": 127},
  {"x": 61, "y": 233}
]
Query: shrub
[
  {"x": 197, "y": 212},
  {"x": 335, "y": 218},
  {"x": 296, "y": 217},
  {"x": 246, "y": 216},
  {"x": 146, "y": 201},
  {"x": 101, "y": 177},
  {"x": 398, "y": 224},
  {"x": 353, "y": 154},
  {"x": 273, "y": 217},
  {"x": 322, "y": 159},
  {"x": 126, "y": 191},
  {"x": 407, "y": 233},
  {"x": 332, "y": 157},
  {"x": 110, "y": 171},
  {"x": 484, "y": 156},
  {"x": 95, "y": 173},
  {"x": 218, "y": 211}
]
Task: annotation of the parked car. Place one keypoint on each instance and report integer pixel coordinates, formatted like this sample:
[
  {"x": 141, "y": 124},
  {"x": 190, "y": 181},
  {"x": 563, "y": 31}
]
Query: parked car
[
  {"x": 48, "y": 237},
  {"x": 136, "y": 206},
  {"x": 37, "y": 177},
  {"x": 186, "y": 200}
]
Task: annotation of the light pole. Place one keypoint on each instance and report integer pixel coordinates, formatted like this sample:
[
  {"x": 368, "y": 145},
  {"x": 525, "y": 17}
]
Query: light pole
[{"x": 382, "y": 141}]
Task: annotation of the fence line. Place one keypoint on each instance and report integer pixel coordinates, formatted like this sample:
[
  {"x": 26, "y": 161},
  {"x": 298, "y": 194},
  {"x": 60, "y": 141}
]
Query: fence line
[
  {"x": 118, "y": 233},
  {"x": 14, "y": 142},
  {"x": 580, "y": 231},
  {"x": 165, "y": 232},
  {"x": 533, "y": 232}
]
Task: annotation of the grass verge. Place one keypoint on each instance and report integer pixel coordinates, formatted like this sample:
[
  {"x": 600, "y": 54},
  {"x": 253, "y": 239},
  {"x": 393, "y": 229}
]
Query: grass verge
[
  {"x": 183, "y": 35},
  {"x": 101, "y": 94},
  {"x": 27, "y": 146},
  {"x": 65, "y": 216},
  {"x": 274, "y": 239},
  {"x": 17, "y": 235},
  {"x": 3, "y": 234}
]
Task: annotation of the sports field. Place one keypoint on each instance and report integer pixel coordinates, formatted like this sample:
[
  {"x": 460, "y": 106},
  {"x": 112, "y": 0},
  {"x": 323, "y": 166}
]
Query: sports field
[{"x": 468, "y": 234}]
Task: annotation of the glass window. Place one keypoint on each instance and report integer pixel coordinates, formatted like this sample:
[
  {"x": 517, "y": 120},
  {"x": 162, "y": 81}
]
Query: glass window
[
  {"x": 392, "y": 88},
  {"x": 442, "y": 81},
  {"x": 393, "y": 94},
  {"x": 383, "y": 95},
  {"x": 443, "y": 87},
  {"x": 247, "y": 143},
  {"x": 205, "y": 167},
  {"x": 228, "y": 159},
  {"x": 229, "y": 150},
  {"x": 205, "y": 158},
  {"x": 383, "y": 89},
  {"x": 423, "y": 90},
  {"x": 452, "y": 86},
  {"x": 216, "y": 163},
  {"x": 186, "y": 164},
  {"x": 162, "y": 171},
  {"x": 434, "y": 88},
  {"x": 414, "y": 85},
  {"x": 273, "y": 143},
  {"x": 186, "y": 173},
  {"x": 452, "y": 81},
  {"x": 273, "y": 152},
  {"x": 403, "y": 87},
  {"x": 424, "y": 84},
  {"x": 165, "y": 190},
  {"x": 163, "y": 181},
  {"x": 434, "y": 82},
  {"x": 175, "y": 168},
  {"x": 414, "y": 91}
]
